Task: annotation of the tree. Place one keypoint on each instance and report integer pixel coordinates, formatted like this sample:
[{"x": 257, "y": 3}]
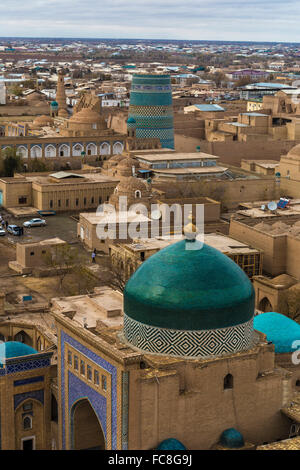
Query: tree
[
  {"x": 38, "y": 166},
  {"x": 289, "y": 304},
  {"x": 80, "y": 281},
  {"x": 219, "y": 78},
  {"x": 70, "y": 266},
  {"x": 117, "y": 278},
  {"x": 16, "y": 90},
  {"x": 10, "y": 162},
  {"x": 63, "y": 258},
  {"x": 243, "y": 81}
]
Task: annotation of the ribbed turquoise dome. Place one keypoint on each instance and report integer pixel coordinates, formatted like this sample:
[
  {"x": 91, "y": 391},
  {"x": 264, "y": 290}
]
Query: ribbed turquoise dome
[
  {"x": 14, "y": 349},
  {"x": 131, "y": 120},
  {"x": 279, "y": 329},
  {"x": 232, "y": 439},
  {"x": 171, "y": 444},
  {"x": 54, "y": 104},
  {"x": 184, "y": 289}
]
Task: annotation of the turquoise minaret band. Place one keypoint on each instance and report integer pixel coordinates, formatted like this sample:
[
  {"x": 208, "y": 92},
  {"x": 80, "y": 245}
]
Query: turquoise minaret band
[{"x": 151, "y": 108}]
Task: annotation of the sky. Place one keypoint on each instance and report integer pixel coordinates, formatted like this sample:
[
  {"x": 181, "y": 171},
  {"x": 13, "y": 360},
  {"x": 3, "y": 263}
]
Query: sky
[{"x": 230, "y": 20}]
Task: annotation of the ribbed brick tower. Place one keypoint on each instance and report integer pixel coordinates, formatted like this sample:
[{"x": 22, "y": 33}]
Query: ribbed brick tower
[{"x": 151, "y": 108}]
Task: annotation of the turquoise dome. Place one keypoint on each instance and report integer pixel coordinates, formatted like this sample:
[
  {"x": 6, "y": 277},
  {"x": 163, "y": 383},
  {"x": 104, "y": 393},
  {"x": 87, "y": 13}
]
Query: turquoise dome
[
  {"x": 171, "y": 444},
  {"x": 187, "y": 289},
  {"x": 279, "y": 329},
  {"x": 14, "y": 349},
  {"x": 54, "y": 104},
  {"x": 232, "y": 439},
  {"x": 131, "y": 120}
]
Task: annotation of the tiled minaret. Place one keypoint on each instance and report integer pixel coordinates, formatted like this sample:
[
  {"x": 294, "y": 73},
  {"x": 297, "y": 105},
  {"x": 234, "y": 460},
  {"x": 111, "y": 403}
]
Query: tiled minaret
[{"x": 151, "y": 109}]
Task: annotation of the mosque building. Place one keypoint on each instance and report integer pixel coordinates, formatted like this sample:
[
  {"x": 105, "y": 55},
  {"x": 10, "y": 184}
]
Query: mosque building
[
  {"x": 25, "y": 404},
  {"x": 175, "y": 364},
  {"x": 150, "y": 110}
]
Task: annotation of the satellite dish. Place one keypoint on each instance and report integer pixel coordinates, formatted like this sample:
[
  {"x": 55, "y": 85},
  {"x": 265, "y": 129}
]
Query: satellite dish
[
  {"x": 263, "y": 207},
  {"x": 272, "y": 206}
]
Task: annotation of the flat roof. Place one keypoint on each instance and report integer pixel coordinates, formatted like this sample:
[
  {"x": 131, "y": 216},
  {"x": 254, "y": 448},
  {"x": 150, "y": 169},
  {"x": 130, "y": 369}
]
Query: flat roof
[
  {"x": 237, "y": 124},
  {"x": 209, "y": 107},
  {"x": 191, "y": 171},
  {"x": 65, "y": 174},
  {"x": 156, "y": 157},
  {"x": 254, "y": 114},
  {"x": 227, "y": 244},
  {"x": 113, "y": 217},
  {"x": 220, "y": 242},
  {"x": 91, "y": 308},
  {"x": 150, "y": 243},
  {"x": 83, "y": 179}
]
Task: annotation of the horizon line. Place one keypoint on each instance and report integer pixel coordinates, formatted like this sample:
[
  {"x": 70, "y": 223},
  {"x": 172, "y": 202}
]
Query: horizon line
[{"x": 149, "y": 39}]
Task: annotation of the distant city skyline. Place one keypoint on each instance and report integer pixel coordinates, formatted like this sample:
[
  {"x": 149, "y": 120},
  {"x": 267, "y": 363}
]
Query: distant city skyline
[{"x": 223, "y": 20}]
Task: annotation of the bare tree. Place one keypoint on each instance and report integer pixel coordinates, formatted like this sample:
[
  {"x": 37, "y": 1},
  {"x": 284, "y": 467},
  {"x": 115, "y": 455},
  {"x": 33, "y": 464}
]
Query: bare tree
[
  {"x": 117, "y": 279},
  {"x": 290, "y": 304},
  {"x": 64, "y": 259}
]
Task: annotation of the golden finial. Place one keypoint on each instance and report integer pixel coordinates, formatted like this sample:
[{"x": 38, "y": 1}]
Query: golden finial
[{"x": 190, "y": 230}]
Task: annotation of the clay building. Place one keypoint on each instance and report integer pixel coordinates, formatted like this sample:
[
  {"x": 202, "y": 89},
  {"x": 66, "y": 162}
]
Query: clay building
[
  {"x": 263, "y": 167},
  {"x": 25, "y": 376},
  {"x": 128, "y": 257},
  {"x": 278, "y": 238},
  {"x": 28, "y": 400},
  {"x": 60, "y": 140},
  {"x": 61, "y": 191},
  {"x": 123, "y": 388},
  {"x": 32, "y": 257}
]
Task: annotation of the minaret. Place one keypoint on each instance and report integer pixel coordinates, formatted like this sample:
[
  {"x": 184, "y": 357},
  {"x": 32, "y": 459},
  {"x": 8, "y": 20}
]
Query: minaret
[{"x": 60, "y": 92}]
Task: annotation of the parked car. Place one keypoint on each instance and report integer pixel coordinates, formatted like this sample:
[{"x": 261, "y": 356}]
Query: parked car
[
  {"x": 2, "y": 232},
  {"x": 35, "y": 223},
  {"x": 15, "y": 230}
]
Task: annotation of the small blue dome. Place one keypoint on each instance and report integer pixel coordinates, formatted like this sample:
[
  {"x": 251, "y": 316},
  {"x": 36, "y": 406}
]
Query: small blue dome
[
  {"x": 171, "y": 444},
  {"x": 232, "y": 439},
  {"x": 14, "y": 349},
  {"x": 279, "y": 329},
  {"x": 54, "y": 104},
  {"x": 131, "y": 120}
]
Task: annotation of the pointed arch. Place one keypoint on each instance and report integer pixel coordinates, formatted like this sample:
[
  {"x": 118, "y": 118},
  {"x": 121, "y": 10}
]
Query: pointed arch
[{"x": 86, "y": 429}]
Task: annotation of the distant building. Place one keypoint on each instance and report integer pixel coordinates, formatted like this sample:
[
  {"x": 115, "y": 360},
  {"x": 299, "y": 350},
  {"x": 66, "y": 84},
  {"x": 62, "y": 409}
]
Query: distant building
[
  {"x": 253, "y": 74},
  {"x": 61, "y": 191},
  {"x": 258, "y": 90},
  {"x": 2, "y": 93}
]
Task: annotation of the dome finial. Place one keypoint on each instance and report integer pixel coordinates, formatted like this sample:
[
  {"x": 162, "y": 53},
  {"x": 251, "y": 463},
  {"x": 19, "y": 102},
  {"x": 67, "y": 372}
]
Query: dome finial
[{"x": 190, "y": 230}]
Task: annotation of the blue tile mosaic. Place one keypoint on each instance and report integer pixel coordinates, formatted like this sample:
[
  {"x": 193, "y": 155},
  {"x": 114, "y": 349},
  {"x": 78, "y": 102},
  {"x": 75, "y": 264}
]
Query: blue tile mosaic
[
  {"x": 66, "y": 339},
  {"x": 35, "y": 394},
  {"x": 31, "y": 380},
  {"x": 79, "y": 389}
]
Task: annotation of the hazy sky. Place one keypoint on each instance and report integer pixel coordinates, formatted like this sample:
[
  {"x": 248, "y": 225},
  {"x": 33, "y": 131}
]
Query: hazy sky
[{"x": 252, "y": 20}]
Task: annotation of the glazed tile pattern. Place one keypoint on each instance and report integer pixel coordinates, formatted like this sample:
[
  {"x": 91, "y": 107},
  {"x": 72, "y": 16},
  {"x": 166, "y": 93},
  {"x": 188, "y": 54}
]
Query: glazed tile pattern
[
  {"x": 35, "y": 394},
  {"x": 21, "y": 364},
  {"x": 183, "y": 343},
  {"x": 79, "y": 389},
  {"x": 125, "y": 397},
  {"x": 151, "y": 108}
]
